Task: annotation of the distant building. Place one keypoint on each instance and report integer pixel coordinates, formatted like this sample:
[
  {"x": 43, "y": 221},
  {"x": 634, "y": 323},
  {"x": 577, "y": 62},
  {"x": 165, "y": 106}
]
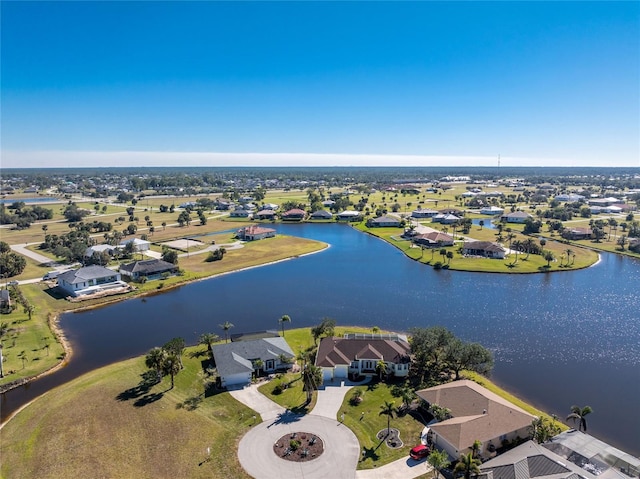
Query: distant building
[{"x": 254, "y": 233}]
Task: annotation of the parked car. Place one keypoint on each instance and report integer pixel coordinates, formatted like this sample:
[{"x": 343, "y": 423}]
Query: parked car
[
  {"x": 419, "y": 452},
  {"x": 13, "y": 283},
  {"x": 51, "y": 275}
]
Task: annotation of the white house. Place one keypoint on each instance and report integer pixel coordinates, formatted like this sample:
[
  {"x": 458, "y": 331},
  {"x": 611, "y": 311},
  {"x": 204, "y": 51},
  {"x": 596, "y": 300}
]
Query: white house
[
  {"x": 349, "y": 215},
  {"x": 516, "y": 217},
  {"x": 88, "y": 280},
  {"x": 237, "y": 361},
  {"x": 491, "y": 210},
  {"x": 359, "y": 354},
  {"x": 139, "y": 245},
  {"x": 424, "y": 213}
]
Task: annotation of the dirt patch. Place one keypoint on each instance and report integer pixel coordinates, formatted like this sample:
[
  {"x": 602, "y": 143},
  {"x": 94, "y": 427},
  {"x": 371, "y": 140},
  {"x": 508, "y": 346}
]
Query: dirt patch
[
  {"x": 299, "y": 447},
  {"x": 183, "y": 244}
]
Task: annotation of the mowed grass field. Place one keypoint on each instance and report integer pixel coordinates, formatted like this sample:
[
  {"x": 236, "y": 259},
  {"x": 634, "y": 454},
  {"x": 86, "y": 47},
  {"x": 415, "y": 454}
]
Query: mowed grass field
[{"x": 102, "y": 426}]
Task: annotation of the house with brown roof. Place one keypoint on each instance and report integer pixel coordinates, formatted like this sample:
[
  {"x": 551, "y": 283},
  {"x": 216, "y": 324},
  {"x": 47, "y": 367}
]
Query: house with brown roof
[
  {"x": 477, "y": 415},
  {"x": 577, "y": 233},
  {"x": 433, "y": 239},
  {"x": 265, "y": 215},
  {"x": 486, "y": 249},
  {"x": 359, "y": 355},
  {"x": 254, "y": 233},
  {"x": 294, "y": 214}
]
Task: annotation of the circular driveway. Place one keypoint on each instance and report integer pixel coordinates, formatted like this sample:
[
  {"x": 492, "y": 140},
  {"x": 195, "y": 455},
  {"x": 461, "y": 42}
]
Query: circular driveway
[{"x": 339, "y": 460}]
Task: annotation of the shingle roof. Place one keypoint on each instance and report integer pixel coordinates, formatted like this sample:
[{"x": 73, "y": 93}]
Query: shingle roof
[
  {"x": 85, "y": 274},
  {"x": 334, "y": 351},
  {"x": 235, "y": 357},
  {"x": 483, "y": 245},
  {"x": 150, "y": 266}
]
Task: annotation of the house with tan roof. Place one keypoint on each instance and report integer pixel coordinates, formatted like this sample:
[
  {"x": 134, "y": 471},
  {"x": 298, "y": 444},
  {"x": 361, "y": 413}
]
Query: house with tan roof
[
  {"x": 254, "y": 233},
  {"x": 433, "y": 239},
  {"x": 359, "y": 355},
  {"x": 486, "y": 249},
  {"x": 477, "y": 414}
]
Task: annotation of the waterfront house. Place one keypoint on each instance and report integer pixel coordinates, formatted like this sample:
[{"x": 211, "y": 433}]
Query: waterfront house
[
  {"x": 445, "y": 219},
  {"x": 384, "y": 221},
  {"x": 321, "y": 215},
  {"x": 577, "y": 233},
  {"x": 88, "y": 280},
  {"x": 515, "y": 217},
  {"x": 237, "y": 361},
  {"x": 433, "y": 239},
  {"x": 476, "y": 414},
  {"x": 149, "y": 269},
  {"x": 265, "y": 214},
  {"x": 484, "y": 248},
  {"x": 295, "y": 214},
  {"x": 254, "y": 233},
  {"x": 359, "y": 355},
  {"x": 349, "y": 215},
  {"x": 240, "y": 213}
]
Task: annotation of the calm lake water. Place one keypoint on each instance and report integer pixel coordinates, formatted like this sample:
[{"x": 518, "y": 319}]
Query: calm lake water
[{"x": 559, "y": 339}]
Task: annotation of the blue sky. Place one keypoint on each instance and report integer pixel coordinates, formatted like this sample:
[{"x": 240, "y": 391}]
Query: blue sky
[{"x": 327, "y": 83}]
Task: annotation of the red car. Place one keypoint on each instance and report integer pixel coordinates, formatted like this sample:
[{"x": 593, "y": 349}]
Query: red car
[{"x": 419, "y": 452}]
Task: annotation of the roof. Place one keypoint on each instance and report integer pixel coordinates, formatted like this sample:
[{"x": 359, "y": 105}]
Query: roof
[
  {"x": 294, "y": 212},
  {"x": 85, "y": 274},
  {"x": 149, "y": 266},
  {"x": 255, "y": 230},
  {"x": 235, "y": 357},
  {"x": 349, "y": 213},
  {"x": 517, "y": 214},
  {"x": 435, "y": 236},
  {"x": 266, "y": 212},
  {"x": 477, "y": 413},
  {"x": 483, "y": 245},
  {"x": 135, "y": 241},
  {"x": 322, "y": 214},
  {"x": 386, "y": 219},
  {"x": 334, "y": 351}
]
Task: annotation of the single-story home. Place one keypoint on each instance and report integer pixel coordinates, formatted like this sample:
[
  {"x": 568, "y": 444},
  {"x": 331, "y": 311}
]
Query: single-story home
[
  {"x": 359, "y": 354},
  {"x": 149, "y": 269},
  {"x": 445, "y": 218},
  {"x": 571, "y": 197},
  {"x": 240, "y": 213},
  {"x": 270, "y": 206},
  {"x": 237, "y": 361},
  {"x": 254, "y": 233},
  {"x": 328, "y": 203},
  {"x": 99, "y": 248},
  {"x": 424, "y": 213},
  {"x": 265, "y": 214},
  {"x": 477, "y": 414},
  {"x": 491, "y": 210},
  {"x": 577, "y": 233},
  {"x": 88, "y": 280},
  {"x": 515, "y": 217},
  {"x": 433, "y": 239},
  {"x": 349, "y": 215},
  {"x": 295, "y": 214},
  {"x": 384, "y": 221},
  {"x": 484, "y": 248},
  {"x": 139, "y": 245},
  {"x": 321, "y": 215}
]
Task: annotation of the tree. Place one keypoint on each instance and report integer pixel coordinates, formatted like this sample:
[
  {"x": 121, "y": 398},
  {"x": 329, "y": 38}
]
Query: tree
[
  {"x": 439, "y": 413},
  {"x": 381, "y": 367},
  {"x": 325, "y": 328},
  {"x": 171, "y": 365},
  {"x": 311, "y": 379},
  {"x": 23, "y": 355},
  {"x": 226, "y": 326},
  {"x": 208, "y": 339},
  {"x": 284, "y": 319},
  {"x": 169, "y": 255},
  {"x": 155, "y": 360},
  {"x": 387, "y": 409},
  {"x": 175, "y": 347},
  {"x": 475, "y": 447},
  {"x": 449, "y": 256},
  {"x": 438, "y": 460},
  {"x": 578, "y": 415},
  {"x": 542, "y": 243},
  {"x": 11, "y": 264},
  {"x": 542, "y": 429},
  {"x": 468, "y": 465},
  {"x": 481, "y": 223},
  {"x": 548, "y": 257}
]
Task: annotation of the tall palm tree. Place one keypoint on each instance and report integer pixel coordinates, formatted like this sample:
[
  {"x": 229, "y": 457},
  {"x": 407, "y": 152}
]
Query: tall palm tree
[
  {"x": 438, "y": 460},
  {"x": 226, "y": 326},
  {"x": 387, "y": 410},
  {"x": 548, "y": 257},
  {"x": 578, "y": 415},
  {"x": 475, "y": 448},
  {"x": 155, "y": 360},
  {"x": 4, "y": 329},
  {"x": 468, "y": 465},
  {"x": 208, "y": 339},
  {"x": 381, "y": 367},
  {"x": 171, "y": 366},
  {"x": 284, "y": 319}
]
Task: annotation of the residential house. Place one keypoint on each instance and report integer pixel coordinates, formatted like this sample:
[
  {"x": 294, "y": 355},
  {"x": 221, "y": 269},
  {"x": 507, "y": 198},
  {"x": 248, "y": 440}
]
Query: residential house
[
  {"x": 445, "y": 219},
  {"x": 240, "y": 213},
  {"x": 424, "y": 213},
  {"x": 149, "y": 269},
  {"x": 295, "y": 214},
  {"x": 384, "y": 221},
  {"x": 328, "y": 203},
  {"x": 484, "y": 248},
  {"x": 359, "y": 355},
  {"x": 572, "y": 197},
  {"x": 477, "y": 414},
  {"x": 265, "y": 215},
  {"x": 321, "y": 215},
  {"x": 237, "y": 361},
  {"x": 515, "y": 217},
  {"x": 491, "y": 210},
  {"x": 139, "y": 245},
  {"x": 100, "y": 248},
  {"x": 433, "y": 239},
  {"x": 5, "y": 299},
  {"x": 270, "y": 206},
  {"x": 349, "y": 215},
  {"x": 254, "y": 233},
  {"x": 88, "y": 280},
  {"x": 577, "y": 233}
]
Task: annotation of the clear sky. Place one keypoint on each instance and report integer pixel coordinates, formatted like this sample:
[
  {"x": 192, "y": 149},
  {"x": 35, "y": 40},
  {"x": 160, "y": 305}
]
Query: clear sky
[{"x": 327, "y": 83}]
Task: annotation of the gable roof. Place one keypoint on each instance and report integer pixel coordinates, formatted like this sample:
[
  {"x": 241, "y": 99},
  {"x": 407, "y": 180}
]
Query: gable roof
[
  {"x": 321, "y": 214},
  {"x": 294, "y": 212},
  {"x": 236, "y": 357},
  {"x": 149, "y": 266},
  {"x": 483, "y": 245},
  {"x": 386, "y": 219},
  {"x": 477, "y": 413},
  {"x": 85, "y": 274},
  {"x": 335, "y": 351}
]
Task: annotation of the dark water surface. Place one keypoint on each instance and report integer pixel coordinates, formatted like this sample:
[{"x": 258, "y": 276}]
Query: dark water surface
[{"x": 559, "y": 339}]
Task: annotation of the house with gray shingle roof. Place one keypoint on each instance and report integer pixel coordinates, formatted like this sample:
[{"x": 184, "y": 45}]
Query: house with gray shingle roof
[
  {"x": 359, "y": 354},
  {"x": 149, "y": 269},
  {"x": 87, "y": 280},
  {"x": 384, "y": 221},
  {"x": 486, "y": 249},
  {"x": 477, "y": 414},
  {"x": 236, "y": 361}
]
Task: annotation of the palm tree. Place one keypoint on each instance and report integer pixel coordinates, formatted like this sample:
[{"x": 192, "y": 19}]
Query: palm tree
[
  {"x": 155, "y": 360},
  {"x": 449, "y": 256},
  {"x": 381, "y": 367},
  {"x": 578, "y": 415},
  {"x": 208, "y": 339},
  {"x": 542, "y": 243},
  {"x": 481, "y": 223},
  {"x": 387, "y": 410},
  {"x": 438, "y": 460},
  {"x": 311, "y": 379},
  {"x": 171, "y": 366},
  {"x": 475, "y": 448},
  {"x": 282, "y": 320},
  {"x": 23, "y": 356},
  {"x": 528, "y": 244},
  {"x": 570, "y": 253},
  {"x": 468, "y": 465},
  {"x": 226, "y": 326},
  {"x": 4, "y": 329},
  {"x": 548, "y": 257}
]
